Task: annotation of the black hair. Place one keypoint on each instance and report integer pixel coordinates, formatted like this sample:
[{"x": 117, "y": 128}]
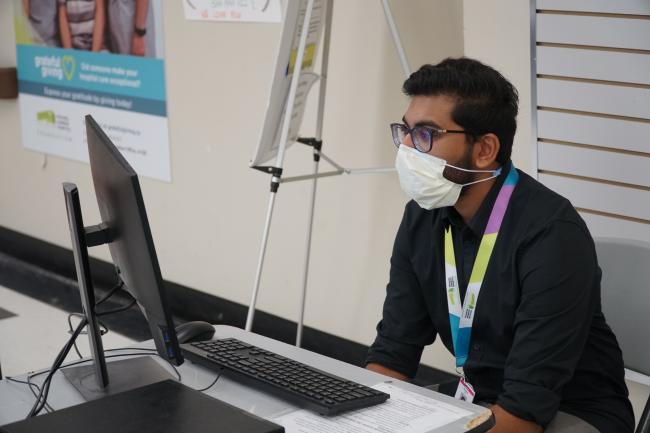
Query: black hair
[{"x": 486, "y": 102}]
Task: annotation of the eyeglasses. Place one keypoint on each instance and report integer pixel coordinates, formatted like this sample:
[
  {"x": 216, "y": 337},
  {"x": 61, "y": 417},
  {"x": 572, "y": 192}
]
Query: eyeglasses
[{"x": 421, "y": 136}]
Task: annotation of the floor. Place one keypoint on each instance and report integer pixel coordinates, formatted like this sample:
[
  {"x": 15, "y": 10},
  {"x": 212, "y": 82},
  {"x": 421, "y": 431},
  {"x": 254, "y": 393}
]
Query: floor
[{"x": 32, "y": 333}]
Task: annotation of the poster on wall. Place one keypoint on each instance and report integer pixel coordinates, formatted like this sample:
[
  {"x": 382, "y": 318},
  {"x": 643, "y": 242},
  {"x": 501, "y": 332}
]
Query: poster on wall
[
  {"x": 262, "y": 11},
  {"x": 98, "y": 57},
  {"x": 270, "y": 136}
]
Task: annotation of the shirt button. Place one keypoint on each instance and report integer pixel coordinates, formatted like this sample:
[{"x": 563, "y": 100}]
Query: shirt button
[{"x": 476, "y": 346}]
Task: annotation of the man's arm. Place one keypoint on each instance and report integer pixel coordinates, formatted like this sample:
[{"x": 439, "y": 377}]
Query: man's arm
[
  {"x": 505, "y": 422},
  {"x": 405, "y": 327},
  {"x": 378, "y": 368},
  {"x": 558, "y": 274}
]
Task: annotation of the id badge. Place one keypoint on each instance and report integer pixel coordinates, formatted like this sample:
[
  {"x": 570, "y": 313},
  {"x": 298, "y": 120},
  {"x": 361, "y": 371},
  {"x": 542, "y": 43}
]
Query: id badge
[{"x": 465, "y": 391}]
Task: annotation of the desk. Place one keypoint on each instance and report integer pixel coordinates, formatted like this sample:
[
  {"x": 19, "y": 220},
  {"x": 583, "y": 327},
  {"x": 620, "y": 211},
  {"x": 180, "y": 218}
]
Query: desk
[{"x": 16, "y": 400}]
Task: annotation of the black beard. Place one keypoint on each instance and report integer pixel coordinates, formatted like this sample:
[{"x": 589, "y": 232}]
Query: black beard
[{"x": 459, "y": 176}]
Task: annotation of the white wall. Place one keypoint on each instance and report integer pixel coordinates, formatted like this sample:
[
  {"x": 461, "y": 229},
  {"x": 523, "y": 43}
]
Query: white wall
[
  {"x": 207, "y": 223},
  {"x": 497, "y": 32}
]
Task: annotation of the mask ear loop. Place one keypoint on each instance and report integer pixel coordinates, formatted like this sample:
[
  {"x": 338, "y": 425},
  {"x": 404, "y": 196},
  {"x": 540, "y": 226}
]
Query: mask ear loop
[{"x": 495, "y": 173}]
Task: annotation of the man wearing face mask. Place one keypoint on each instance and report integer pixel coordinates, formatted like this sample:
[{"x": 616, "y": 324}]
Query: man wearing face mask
[{"x": 500, "y": 267}]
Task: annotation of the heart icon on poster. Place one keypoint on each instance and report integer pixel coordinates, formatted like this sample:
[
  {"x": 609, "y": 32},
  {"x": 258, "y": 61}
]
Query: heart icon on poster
[{"x": 69, "y": 64}]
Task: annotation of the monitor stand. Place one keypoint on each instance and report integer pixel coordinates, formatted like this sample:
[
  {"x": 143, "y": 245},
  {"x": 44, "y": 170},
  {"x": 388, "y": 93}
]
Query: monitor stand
[
  {"x": 125, "y": 374},
  {"x": 92, "y": 380}
]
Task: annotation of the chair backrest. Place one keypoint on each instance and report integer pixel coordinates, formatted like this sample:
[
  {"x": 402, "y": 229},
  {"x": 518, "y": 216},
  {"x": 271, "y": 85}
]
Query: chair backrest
[{"x": 625, "y": 292}]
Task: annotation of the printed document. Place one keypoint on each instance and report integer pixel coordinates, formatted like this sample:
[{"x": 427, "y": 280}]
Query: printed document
[{"x": 404, "y": 412}]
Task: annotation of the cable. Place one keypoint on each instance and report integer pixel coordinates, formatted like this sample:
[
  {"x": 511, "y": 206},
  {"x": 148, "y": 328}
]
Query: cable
[
  {"x": 103, "y": 330},
  {"x": 41, "y": 397},
  {"x": 48, "y": 408},
  {"x": 47, "y": 405},
  {"x": 71, "y": 330},
  {"x": 41, "y": 400},
  {"x": 117, "y": 310},
  {"x": 62, "y": 355},
  {"x": 213, "y": 383},
  {"x": 150, "y": 351},
  {"x": 111, "y": 292},
  {"x": 118, "y": 285}
]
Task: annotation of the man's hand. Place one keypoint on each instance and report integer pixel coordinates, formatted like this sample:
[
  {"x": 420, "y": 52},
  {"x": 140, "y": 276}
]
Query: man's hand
[
  {"x": 137, "y": 45},
  {"x": 377, "y": 368},
  {"x": 505, "y": 422}
]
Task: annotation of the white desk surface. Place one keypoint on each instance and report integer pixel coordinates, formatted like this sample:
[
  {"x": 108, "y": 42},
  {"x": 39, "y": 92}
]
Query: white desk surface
[{"x": 16, "y": 400}]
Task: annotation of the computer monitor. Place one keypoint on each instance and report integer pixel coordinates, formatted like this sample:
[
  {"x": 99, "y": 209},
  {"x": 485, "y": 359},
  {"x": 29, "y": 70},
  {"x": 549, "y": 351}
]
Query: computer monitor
[{"x": 125, "y": 228}]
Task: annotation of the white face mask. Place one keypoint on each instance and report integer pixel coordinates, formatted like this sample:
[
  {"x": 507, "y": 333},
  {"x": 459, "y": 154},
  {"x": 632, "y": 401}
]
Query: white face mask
[{"x": 420, "y": 176}]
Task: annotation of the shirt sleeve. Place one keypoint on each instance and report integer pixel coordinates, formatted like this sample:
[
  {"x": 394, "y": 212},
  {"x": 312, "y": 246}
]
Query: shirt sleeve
[
  {"x": 559, "y": 276},
  {"x": 405, "y": 327}
]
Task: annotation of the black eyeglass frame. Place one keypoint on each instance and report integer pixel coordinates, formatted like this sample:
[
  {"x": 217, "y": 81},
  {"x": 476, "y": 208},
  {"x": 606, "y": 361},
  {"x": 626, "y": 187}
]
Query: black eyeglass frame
[{"x": 432, "y": 132}]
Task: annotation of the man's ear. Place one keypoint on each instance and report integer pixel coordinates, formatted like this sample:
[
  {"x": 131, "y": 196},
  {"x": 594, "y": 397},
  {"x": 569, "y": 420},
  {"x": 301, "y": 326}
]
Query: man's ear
[{"x": 485, "y": 151}]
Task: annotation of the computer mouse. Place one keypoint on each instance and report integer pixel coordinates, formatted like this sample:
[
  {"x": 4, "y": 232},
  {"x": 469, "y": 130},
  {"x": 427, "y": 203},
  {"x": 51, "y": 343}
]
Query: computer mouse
[{"x": 194, "y": 331}]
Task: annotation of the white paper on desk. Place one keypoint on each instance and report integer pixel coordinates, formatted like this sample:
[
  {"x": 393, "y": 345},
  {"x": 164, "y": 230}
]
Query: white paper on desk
[{"x": 404, "y": 412}]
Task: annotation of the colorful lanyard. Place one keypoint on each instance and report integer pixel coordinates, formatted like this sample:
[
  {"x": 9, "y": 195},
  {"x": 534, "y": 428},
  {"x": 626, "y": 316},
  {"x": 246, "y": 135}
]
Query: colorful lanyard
[{"x": 461, "y": 318}]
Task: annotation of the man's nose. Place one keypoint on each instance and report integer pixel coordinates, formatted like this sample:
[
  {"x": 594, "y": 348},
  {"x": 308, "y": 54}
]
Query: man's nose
[{"x": 407, "y": 141}]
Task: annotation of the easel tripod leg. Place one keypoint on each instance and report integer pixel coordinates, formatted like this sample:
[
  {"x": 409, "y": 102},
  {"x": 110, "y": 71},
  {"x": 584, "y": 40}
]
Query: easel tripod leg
[{"x": 260, "y": 263}]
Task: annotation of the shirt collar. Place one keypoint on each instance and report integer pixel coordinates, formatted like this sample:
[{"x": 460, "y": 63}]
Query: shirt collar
[{"x": 478, "y": 223}]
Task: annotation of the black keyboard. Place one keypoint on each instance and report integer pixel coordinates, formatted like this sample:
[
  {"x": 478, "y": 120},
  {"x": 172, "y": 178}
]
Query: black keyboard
[{"x": 283, "y": 377}]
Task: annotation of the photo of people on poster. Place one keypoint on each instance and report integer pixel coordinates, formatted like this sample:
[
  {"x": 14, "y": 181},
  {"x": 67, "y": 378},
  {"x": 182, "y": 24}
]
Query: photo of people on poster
[{"x": 114, "y": 26}]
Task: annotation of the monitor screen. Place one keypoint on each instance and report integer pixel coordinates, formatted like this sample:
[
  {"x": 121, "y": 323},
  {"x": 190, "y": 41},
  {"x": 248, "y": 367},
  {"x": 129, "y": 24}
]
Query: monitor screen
[{"x": 131, "y": 245}]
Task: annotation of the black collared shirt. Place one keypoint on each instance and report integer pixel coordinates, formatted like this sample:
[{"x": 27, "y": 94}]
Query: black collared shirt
[{"x": 539, "y": 341}]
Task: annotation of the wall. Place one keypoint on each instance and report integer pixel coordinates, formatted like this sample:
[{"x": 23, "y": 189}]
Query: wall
[
  {"x": 593, "y": 85},
  {"x": 207, "y": 223},
  {"x": 497, "y": 32}
]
